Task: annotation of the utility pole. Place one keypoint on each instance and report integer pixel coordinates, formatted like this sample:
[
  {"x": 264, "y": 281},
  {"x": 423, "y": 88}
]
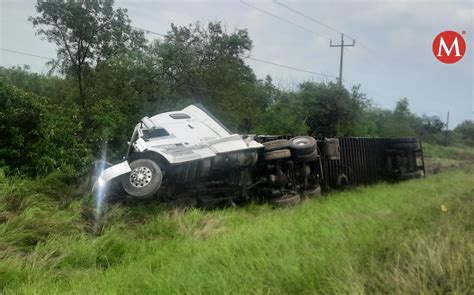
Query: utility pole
[
  {"x": 446, "y": 135},
  {"x": 342, "y": 45}
]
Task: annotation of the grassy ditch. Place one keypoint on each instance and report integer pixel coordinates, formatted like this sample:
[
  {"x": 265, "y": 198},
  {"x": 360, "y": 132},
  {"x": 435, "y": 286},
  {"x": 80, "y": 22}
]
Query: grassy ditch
[
  {"x": 379, "y": 239},
  {"x": 441, "y": 158}
]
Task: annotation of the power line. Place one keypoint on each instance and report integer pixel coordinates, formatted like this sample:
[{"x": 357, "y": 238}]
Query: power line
[
  {"x": 27, "y": 54},
  {"x": 163, "y": 35},
  {"x": 321, "y": 23},
  {"x": 149, "y": 32},
  {"x": 246, "y": 57},
  {"x": 283, "y": 19},
  {"x": 311, "y": 19},
  {"x": 252, "y": 58},
  {"x": 289, "y": 67},
  {"x": 184, "y": 85},
  {"x": 199, "y": 87},
  {"x": 213, "y": 90}
]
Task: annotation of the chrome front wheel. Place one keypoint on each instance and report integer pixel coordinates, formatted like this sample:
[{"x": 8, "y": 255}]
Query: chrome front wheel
[{"x": 144, "y": 180}]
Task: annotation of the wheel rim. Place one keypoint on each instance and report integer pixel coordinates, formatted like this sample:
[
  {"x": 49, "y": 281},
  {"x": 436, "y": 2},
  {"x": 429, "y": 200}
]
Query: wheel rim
[
  {"x": 300, "y": 141},
  {"x": 140, "y": 177}
]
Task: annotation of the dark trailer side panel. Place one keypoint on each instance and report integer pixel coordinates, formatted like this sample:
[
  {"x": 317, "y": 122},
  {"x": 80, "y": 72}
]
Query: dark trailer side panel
[{"x": 363, "y": 160}]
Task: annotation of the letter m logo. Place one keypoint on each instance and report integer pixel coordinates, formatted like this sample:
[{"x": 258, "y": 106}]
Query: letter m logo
[
  {"x": 443, "y": 46},
  {"x": 449, "y": 47}
]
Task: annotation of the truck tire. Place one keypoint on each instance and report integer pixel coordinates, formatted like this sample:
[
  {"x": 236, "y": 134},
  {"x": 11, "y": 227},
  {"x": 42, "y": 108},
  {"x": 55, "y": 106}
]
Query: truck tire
[
  {"x": 144, "y": 180},
  {"x": 277, "y": 155},
  {"x": 302, "y": 145},
  {"x": 314, "y": 192},
  {"x": 276, "y": 145},
  {"x": 287, "y": 200},
  {"x": 306, "y": 158}
]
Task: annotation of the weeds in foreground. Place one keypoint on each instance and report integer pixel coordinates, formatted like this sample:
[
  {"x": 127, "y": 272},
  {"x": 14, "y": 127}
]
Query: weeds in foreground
[{"x": 379, "y": 239}]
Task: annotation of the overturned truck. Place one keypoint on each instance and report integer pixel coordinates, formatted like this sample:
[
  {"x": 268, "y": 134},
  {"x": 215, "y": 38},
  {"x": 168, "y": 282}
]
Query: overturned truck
[{"x": 190, "y": 157}]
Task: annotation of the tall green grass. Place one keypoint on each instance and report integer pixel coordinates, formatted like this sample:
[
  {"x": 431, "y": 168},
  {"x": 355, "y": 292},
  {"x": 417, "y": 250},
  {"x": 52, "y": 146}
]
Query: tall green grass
[
  {"x": 442, "y": 158},
  {"x": 379, "y": 239},
  {"x": 448, "y": 152}
]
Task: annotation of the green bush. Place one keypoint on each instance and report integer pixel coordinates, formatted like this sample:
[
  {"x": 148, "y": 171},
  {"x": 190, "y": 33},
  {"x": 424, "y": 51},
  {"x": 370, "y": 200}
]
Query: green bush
[{"x": 38, "y": 136}]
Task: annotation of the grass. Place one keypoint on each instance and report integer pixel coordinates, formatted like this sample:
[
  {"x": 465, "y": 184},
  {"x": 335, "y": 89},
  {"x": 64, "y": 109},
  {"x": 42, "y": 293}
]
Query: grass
[
  {"x": 379, "y": 239},
  {"x": 448, "y": 152},
  {"x": 441, "y": 158}
]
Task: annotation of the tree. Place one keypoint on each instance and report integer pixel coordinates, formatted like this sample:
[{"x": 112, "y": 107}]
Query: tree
[
  {"x": 87, "y": 33},
  {"x": 466, "y": 130},
  {"x": 398, "y": 122},
  {"x": 429, "y": 128},
  {"x": 283, "y": 112},
  {"x": 330, "y": 110},
  {"x": 204, "y": 64},
  {"x": 364, "y": 125},
  {"x": 431, "y": 124},
  {"x": 56, "y": 88},
  {"x": 402, "y": 109}
]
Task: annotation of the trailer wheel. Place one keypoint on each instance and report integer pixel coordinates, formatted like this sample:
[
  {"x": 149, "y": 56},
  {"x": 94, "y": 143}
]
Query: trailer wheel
[
  {"x": 306, "y": 158},
  {"x": 276, "y": 145},
  {"x": 144, "y": 180},
  {"x": 277, "y": 155},
  {"x": 303, "y": 145},
  {"x": 342, "y": 181},
  {"x": 287, "y": 200}
]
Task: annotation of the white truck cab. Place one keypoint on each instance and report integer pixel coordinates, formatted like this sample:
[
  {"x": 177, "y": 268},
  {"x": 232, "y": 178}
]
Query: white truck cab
[
  {"x": 186, "y": 135},
  {"x": 169, "y": 139}
]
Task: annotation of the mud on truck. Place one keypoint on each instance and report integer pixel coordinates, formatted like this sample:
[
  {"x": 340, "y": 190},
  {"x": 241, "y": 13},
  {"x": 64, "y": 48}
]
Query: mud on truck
[{"x": 189, "y": 156}]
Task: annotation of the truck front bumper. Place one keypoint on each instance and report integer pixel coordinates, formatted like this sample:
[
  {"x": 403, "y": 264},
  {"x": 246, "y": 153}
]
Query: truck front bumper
[{"x": 111, "y": 173}]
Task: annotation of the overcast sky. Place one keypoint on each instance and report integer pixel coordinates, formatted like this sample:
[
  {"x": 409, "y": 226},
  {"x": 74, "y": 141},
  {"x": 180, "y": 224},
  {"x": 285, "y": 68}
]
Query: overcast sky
[{"x": 392, "y": 57}]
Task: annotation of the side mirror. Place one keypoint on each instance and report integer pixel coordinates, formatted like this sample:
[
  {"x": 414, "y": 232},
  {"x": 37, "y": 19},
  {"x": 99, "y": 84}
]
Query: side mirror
[{"x": 148, "y": 123}]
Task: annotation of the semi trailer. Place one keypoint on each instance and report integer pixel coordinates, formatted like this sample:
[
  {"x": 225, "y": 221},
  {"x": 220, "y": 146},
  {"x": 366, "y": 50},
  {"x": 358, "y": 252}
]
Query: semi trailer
[{"x": 190, "y": 156}]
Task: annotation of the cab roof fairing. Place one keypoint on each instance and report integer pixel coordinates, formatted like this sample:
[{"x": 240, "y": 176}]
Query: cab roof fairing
[{"x": 194, "y": 113}]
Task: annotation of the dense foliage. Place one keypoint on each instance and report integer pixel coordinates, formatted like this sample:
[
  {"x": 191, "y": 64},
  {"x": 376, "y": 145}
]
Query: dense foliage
[
  {"x": 110, "y": 77},
  {"x": 38, "y": 136}
]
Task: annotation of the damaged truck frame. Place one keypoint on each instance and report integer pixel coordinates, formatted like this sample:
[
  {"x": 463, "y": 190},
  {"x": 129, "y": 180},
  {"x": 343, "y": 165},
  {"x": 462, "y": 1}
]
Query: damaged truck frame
[{"x": 188, "y": 156}]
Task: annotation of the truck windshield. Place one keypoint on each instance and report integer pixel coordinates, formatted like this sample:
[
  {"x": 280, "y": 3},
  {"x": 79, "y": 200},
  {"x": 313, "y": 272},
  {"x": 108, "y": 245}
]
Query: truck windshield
[{"x": 153, "y": 133}]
